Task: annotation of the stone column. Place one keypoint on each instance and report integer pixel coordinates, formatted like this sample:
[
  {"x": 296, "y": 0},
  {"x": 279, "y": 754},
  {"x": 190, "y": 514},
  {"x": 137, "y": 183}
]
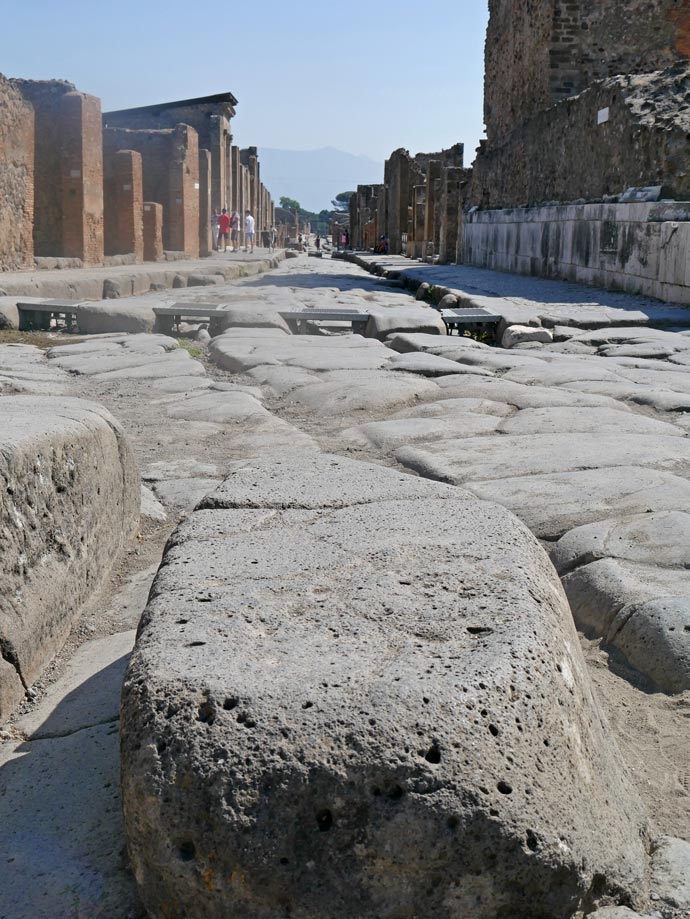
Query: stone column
[
  {"x": 205, "y": 209},
  {"x": 182, "y": 218},
  {"x": 419, "y": 207},
  {"x": 452, "y": 181},
  {"x": 433, "y": 173}
]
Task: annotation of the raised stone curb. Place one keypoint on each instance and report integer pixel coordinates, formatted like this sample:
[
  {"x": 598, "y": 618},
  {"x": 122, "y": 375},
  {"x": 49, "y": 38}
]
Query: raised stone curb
[
  {"x": 360, "y": 694},
  {"x": 69, "y": 503}
]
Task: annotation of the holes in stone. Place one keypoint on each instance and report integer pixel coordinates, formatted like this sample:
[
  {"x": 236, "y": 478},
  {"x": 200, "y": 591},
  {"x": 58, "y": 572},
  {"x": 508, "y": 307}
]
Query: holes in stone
[
  {"x": 324, "y": 820},
  {"x": 230, "y": 703},
  {"x": 452, "y": 823},
  {"x": 493, "y": 730},
  {"x": 182, "y": 621},
  {"x": 532, "y": 843},
  {"x": 505, "y": 788},
  {"x": 433, "y": 755},
  {"x": 284, "y": 861},
  {"x": 186, "y": 851},
  {"x": 308, "y": 705},
  {"x": 244, "y": 719},
  {"x": 478, "y": 630},
  {"x": 195, "y": 644},
  {"x": 206, "y": 713},
  {"x": 396, "y": 793},
  {"x": 161, "y": 746}
]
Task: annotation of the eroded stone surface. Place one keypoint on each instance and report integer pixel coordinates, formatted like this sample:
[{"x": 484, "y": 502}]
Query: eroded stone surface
[
  {"x": 297, "y": 681},
  {"x": 69, "y": 504}
]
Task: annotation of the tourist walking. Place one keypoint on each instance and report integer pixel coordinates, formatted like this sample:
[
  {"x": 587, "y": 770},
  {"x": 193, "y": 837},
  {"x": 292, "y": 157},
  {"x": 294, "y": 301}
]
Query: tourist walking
[
  {"x": 223, "y": 230},
  {"x": 274, "y": 238},
  {"x": 248, "y": 232},
  {"x": 235, "y": 231}
]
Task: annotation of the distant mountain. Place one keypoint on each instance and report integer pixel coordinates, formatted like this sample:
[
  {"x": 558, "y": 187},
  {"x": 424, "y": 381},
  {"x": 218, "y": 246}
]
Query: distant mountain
[{"x": 315, "y": 177}]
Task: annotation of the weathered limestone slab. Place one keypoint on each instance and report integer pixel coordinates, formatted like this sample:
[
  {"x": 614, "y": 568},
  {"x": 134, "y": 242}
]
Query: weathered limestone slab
[
  {"x": 271, "y": 347},
  {"x": 517, "y": 334},
  {"x": 69, "y": 503},
  {"x": 482, "y": 458},
  {"x": 671, "y": 871},
  {"x": 129, "y": 314},
  {"x": 315, "y": 714},
  {"x": 342, "y": 392},
  {"x": 550, "y": 505},
  {"x": 391, "y": 321}
]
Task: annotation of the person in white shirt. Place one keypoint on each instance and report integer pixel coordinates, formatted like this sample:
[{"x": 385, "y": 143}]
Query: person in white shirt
[{"x": 248, "y": 232}]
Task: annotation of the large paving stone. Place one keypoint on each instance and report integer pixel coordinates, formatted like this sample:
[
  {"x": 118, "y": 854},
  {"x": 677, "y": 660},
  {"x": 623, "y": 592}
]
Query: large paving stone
[
  {"x": 589, "y": 420},
  {"x": 68, "y": 505},
  {"x": 506, "y": 456},
  {"x": 389, "y": 435},
  {"x": 521, "y": 395},
  {"x": 552, "y": 504},
  {"x": 358, "y": 694},
  {"x": 265, "y": 347},
  {"x": 345, "y": 393}
]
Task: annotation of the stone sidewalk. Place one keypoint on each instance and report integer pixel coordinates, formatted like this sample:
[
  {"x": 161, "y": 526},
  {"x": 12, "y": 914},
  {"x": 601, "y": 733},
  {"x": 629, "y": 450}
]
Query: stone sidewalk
[
  {"x": 131, "y": 280},
  {"x": 523, "y": 300}
]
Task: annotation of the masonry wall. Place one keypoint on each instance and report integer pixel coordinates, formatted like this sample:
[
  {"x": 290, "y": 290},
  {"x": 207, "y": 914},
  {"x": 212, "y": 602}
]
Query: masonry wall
[
  {"x": 639, "y": 248},
  {"x": 124, "y": 204},
  {"x": 563, "y": 154},
  {"x": 170, "y": 160},
  {"x": 539, "y": 52},
  {"x": 212, "y": 123},
  {"x": 16, "y": 179}
]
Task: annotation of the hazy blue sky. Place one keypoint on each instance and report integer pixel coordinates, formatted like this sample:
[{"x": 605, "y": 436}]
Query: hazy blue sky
[{"x": 365, "y": 77}]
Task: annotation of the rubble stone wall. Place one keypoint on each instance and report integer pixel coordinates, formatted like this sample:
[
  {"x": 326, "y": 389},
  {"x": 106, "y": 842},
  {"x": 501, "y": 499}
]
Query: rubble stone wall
[
  {"x": 16, "y": 179},
  {"x": 564, "y": 154},
  {"x": 539, "y": 52}
]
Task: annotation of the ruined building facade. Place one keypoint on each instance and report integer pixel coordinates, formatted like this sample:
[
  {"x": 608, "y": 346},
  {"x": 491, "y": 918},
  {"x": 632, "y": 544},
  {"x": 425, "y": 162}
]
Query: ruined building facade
[
  {"x": 584, "y": 100},
  {"x": 85, "y": 187},
  {"x": 416, "y": 208}
]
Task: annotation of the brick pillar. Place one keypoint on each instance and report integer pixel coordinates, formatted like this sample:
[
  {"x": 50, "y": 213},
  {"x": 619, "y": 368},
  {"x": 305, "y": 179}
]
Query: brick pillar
[
  {"x": 153, "y": 231},
  {"x": 205, "y": 211},
  {"x": 451, "y": 184},
  {"x": 182, "y": 217},
  {"x": 235, "y": 204},
  {"x": 218, "y": 175},
  {"x": 433, "y": 173},
  {"x": 124, "y": 204},
  {"x": 82, "y": 178}
]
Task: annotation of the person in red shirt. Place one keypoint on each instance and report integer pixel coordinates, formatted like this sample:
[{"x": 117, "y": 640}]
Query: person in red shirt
[{"x": 223, "y": 230}]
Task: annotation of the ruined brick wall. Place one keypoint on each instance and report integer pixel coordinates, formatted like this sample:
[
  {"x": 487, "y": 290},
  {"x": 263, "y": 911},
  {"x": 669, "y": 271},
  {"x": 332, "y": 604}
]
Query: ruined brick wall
[
  {"x": 82, "y": 182},
  {"x": 211, "y": 121},
  {"x": 16, "y": 179},
  {"x": 124, "y": 204},
  {"x": 46, "y": 99},
  {"x": 563, "y": 154},
  {"x": 539, "y": 52},
  {"x": 170, "y": 160},
  {"x": 68, "y": 170}
]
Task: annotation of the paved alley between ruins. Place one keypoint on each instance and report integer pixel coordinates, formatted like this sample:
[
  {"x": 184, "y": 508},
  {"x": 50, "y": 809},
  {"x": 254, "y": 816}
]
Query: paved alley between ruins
[{"x": 354, "y": 620}]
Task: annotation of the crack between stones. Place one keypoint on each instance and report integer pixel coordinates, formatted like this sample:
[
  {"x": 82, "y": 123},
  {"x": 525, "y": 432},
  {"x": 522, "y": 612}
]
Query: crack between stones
[
  {"x": 85, "y": 727},
  {"x": 9, "y": 655}
]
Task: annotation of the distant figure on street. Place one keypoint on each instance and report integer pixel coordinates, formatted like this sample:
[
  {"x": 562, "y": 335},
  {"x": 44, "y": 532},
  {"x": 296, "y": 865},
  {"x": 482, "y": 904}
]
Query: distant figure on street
[
  {"x": 214, "y": 228},
  {"x": 266, "y": 239},
  {"x": 223, "y": 230},
  {"x": 248, "y": 231},
  {"x": 274, "y": 238},
  {"x": 235, "y": 231},
  {"x": 317, "y": 242}
]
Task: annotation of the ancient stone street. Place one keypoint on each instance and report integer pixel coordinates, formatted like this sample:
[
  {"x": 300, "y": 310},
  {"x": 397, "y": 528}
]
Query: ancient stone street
[{"x": 295, "y": 422}]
